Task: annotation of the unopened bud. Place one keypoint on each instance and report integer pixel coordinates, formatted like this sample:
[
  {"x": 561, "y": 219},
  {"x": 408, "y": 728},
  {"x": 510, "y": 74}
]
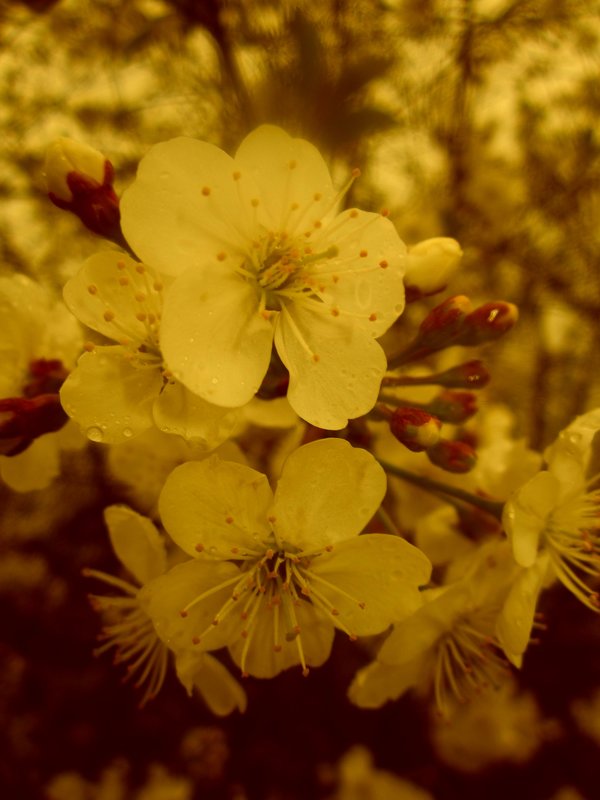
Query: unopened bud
[
  {"x": 415, "y": 429},
  {"x": 430, "y": 265},
  {"x": 453, "y": 456},
  {"x": 79, "y": 179},
  {"x": 470, "y": 375},
  {"x": 445, "y": 321},
  {"x": 453, "y": 407},
  {"x": 488, "y": 322}
]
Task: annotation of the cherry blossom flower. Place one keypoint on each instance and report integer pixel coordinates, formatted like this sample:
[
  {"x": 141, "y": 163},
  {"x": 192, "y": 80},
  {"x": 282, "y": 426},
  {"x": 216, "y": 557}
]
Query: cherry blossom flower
[
  {"x": 449, "y": 648},
  {"x": 260, "y": 255},
  {"x": 553, "y": 519},
  {"x": 119, "y": 390},
  {"x": 274, "y": 575},
  {"x": 140, "y": 548}
]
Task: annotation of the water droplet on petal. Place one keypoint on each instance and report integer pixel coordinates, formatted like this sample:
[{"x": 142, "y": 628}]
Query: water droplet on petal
[
  {"x": 95, "y": 434},
  {"x": 127, "y": 433}
]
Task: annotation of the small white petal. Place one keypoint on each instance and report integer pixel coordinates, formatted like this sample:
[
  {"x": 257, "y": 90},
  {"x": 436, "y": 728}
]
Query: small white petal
[{"x": 136, "y": 542}]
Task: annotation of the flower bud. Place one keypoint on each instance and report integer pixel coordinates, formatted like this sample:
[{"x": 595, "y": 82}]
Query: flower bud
[
  {"x": 488, "y": 322},
  {"x": 453, "y": 407},
  {"x": 415, "y": 429},
  {"x": 453, "y": 456},
  {"x": 79, "y": 180},
  {"x": 445, "y": 321},
  {"x": 430, "y": 265},
  {"x": 471, "y": 374}
]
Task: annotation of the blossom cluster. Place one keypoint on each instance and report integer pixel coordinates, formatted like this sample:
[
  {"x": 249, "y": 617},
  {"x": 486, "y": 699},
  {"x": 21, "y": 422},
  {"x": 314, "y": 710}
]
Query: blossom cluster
[{"x": 237, "y": 296}]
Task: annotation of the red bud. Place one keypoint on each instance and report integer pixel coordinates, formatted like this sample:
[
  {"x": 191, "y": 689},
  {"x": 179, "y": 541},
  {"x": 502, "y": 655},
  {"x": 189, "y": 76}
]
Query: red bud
[
  {"x": 453, "y": 456},
  {"x": 415, "y": 429}
]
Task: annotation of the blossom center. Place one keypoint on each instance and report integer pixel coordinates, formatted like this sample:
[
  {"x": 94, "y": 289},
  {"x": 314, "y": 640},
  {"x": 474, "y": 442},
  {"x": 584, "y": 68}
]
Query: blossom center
[{"x": 273, "y": 583}]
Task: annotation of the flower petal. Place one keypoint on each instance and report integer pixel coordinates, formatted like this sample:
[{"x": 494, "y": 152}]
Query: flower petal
[
  {"x": 327, "y": 493},
  {"x": 212, "y": 336},
  {"x": 136, "y": 542},
  {"x": 164, "y": 598},
  {"x": 376, "y": 684},
  {"x": 292, "y": 180},
  {"x": 178, "y": 411},
  {"x": 216, "y": 504},
  {"x": 379, "y": 571},
  {"x": 362, "y": 284},
  {"x": 183, "y": 205},
  {"x": 34, "y": 468},
  {"x": 109, "y": 397},
  {"x": 217, "y": 687},
  {"x": 526, "y": 513},
  {"x": 515, "y": 622},
  {"x": 314, "y": 642},
  {"x": 335, "y": 368},
  {"x": 107, "y": 283}
]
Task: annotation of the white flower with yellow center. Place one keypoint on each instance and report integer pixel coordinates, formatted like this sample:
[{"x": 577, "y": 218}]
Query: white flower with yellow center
[
  {"x": 130, "y": 632},
  {"x": 274, "y": 575},
  {"x": 259, "y": 256},
  {"x": 120, "y": 390},
  {"x": 553, "y": 521}
]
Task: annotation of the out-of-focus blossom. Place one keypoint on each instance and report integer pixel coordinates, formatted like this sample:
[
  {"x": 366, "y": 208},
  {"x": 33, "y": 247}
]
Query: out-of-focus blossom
[
  {"x": 259, "y": 256},
  {"x": 359, "y": 779}
]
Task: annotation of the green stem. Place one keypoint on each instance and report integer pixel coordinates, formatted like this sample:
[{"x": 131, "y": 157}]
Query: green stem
[{"x": 492, "y": 507}]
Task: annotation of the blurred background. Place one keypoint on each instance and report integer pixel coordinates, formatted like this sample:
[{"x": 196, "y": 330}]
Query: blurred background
[{"x": 475, "y": 119}]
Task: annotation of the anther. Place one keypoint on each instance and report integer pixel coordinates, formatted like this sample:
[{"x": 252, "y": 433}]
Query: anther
[
  {"x": 195, "y": 640},
  {"x": 183, "y": 613},
  {"x": 254, "y": 202},
  {"x": 221, "y": 256},
  {"x": 383, "y": 264},
  {"x": 385, "y": 212},
  {"x": 199, "y": 548},
  {"x": 292, "y": 164},
  {"x": 305, "y": 672},
  {"x": 140, "y": 297},
  {"x": 354, "y": 213},
  {"x": 229, "y": 520},
  {"x": 109, "y": 315},
  {"x": 294, "y": 207},
  {"x": 316, "y": 358},
  {"x": 277, "y": 648},
  {"x": 124, "y": 280},
  {"x": 237, "y": 176},
  {"x": 140, "y": 269},
  {"x": 355, "y": 172},
  {"x": 158, "y": 286},
  {"x": 141, "y": 316},
  {"x": 335, "y": 312},
  {"x": 363, "y": 254},
  {"x": 317, "y": 223},
  {"x": 372, "y": 317},
  {"x": 121, "y": 265},
  {"x": 205, "y": 191},
  {"x": 317, "y": 196},
  {"x": 92, "y": 288},
  {"x": 89, "y": 347}
]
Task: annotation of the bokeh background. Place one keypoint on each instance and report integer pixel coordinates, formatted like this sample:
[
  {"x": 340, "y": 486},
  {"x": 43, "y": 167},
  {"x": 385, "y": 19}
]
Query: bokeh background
[{"x": 476, "y": 119}]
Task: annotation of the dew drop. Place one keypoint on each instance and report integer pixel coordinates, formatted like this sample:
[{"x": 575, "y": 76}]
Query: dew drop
[
  {"x": 95, "y": 434},
  {"x": 214, "y": 381},
  {"x": 127, "y": 433}
]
